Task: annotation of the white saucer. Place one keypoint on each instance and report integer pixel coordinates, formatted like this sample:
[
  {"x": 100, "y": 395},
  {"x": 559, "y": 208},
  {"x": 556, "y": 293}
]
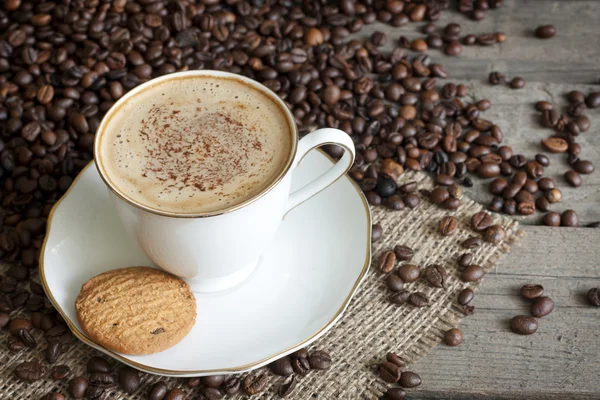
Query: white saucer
[{"x": 298, "y": 291}]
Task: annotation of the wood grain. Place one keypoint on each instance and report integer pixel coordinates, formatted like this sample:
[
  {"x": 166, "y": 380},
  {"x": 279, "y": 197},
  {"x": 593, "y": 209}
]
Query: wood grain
[
  {"x": 561, "y": 360},
  {"x": 552, "y": 68}
]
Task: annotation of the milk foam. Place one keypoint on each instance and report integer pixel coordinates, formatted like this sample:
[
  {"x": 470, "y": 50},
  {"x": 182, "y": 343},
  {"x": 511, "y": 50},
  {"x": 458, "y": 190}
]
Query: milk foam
[{"x": 195, "y": 144}]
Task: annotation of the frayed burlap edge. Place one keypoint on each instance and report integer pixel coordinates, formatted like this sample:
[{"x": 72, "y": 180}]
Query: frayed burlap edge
[{"x": 370, "y": 327}]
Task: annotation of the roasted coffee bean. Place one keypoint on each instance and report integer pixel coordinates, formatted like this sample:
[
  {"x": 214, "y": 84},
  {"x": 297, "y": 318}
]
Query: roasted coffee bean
[
  {"x": 436, "y": 275},
  {"x": 545, "y": 31},
  {"x": 54, "y": 396},
  {"x": 394, "y": 203},
  {"x": 411, "y": 200},
  {"x": 175, "y": 394},
  {"x": 399, "y": 298},
  {"x": 395, "y": 394},
  {"x": 573, "y": 178},
  {"x": 394, "y": 283},
  {"x": 584, "y": 167},
  {"x": 129, "y": 379},
  {"x": 554, "y": 196},
  {"x": 60, "y": 372},
  {"x": 494, "y": 234},
  {"x": 395, "y": 359},
  {"x": 545, "y": 184},
  {"x": 53, "y": 351},
  {"x": 526, "y": 208},
  {"x": 213, "y": 380},
  {"x": 387, "y": 261},
  {"x": 390, "y": 372},
  {"x": 301, "y": 366},
  {"x": 542, "y": 306},
  {"x": 158, "y": 391},
  {"x": 386, "y": 187},
  {"x": 532, "y": 291},
  {"x": 409, "y": 380},
  {"x": 193, "y": 382},
  {"x": 465, "y": 296},
  {"x": 319, "y": 360},
  {"x": 103, "y": 380},
  {"x": 418, "y": 299},
  {"x": 439, "y": 195},
  {"x": 498, "y": 185},
  {"x": 30, "y": 371},
  {"x": 472, "y": 243},
  {"x": 453, "y": 337},
  {"x": 287, "y": 388},
  {"x": 594, "y": 297},
  {"x": 409, "y": 273},
  {"x": 232, "y": 385},
  {"x": 472, "y": 273},
  {"x": 481, "y": 221},
  {"x": 403, "y": 253},
  {"x": 593, "y": 100},
  {"x": 17, "y": 324},
  {"x": 78, "y": 387},
  {"x": 552, "y": 219},
  {"x": 488, "y": 170},
  {"x": 409, "y": 187},
  {"x": 465, "y": 260},
  {"x": 569, "y": 218},
  {"x": 555, "y": 144},
  {"x": 448, "y": 226},
  {"x": 97, "y": 364},
  {"x": 523, "y": 325},
  {"x": 282, "y": 367},
  {"x": 517, "y": 83},
  {"x": 210, "y": 393},
  {"x": 376, "y": 232}
]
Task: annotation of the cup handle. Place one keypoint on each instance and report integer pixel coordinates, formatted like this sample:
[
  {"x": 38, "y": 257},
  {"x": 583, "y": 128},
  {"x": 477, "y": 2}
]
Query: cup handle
[{"x": 310, "y": 142}]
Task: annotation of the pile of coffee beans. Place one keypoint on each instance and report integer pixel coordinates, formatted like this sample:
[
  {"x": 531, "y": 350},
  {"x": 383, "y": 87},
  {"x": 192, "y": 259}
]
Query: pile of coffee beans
[
  {"x": 541, "y": 306},
  {"x": 392, "y": 371}
]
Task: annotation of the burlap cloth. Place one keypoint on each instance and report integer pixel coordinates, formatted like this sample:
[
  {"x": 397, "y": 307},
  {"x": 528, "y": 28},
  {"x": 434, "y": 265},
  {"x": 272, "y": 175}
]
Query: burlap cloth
[{"x": 370, "y": 327}]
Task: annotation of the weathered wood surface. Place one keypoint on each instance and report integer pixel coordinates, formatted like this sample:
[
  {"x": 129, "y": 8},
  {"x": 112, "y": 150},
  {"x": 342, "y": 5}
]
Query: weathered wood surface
[
  {"x": 569, "y": 61},
  {"x": 561, "y": 360}
]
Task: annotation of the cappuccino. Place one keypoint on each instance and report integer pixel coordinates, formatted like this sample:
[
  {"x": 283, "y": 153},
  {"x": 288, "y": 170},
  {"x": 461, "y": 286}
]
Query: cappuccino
[{"x": 193, "y": 145}]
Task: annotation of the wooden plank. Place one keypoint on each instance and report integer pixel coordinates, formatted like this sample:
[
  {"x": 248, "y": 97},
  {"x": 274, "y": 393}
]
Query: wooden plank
[
  {"x": 551, "y": 67},
  {"x": 572, "y": 56},
  {"x": 561, "y": 360}
]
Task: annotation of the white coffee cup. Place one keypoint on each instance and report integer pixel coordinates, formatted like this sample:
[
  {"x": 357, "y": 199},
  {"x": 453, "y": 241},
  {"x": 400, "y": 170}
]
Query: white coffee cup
[{"x": 218, "y": 251}]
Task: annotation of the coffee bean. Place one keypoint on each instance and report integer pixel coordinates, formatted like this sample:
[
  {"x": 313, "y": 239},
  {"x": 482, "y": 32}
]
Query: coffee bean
[
  {"x": 594, "y": 297},
  {"x": 395, "y": 359},
  {"x": 18, "y": 324},
  {"x": 213, "y": 380},
  {"x": 542, "y": 306},
  {"x": 97, "y": 364},
  {"x": 411, "y": 200},
  {"x": 472, "y": 243},
  {"x": 465, "y": 296},
  {"x": 573, "y": 178},
  {"x": 532, "y": 291},
  {"x": 53, "y": 351},
  {"x": 409, "y": 187},
  {"x": 448, "y": 226},
  {"x": 409, "y": 380},
  {"x": 287, "y": 388},
  {"x": 544, "y": 106},
  {"x": 453, "y": 337},
  {"x": 129, "y": 379},
  {"x": 409, "y": 273},
  {"x": 54, "y": 396},
  {"x": 193, "y": 382},
  {"x": 103, "y": 380},
  {"x": 30, "y": 371},
  {"x": 60, "y": 372},
  {"x": 472, "y": 273},
  {"x": 175, "y": 394},
  {"x": 584, "y": 167},
  {"x": 488, "y": 170},
  {"x": 395, "y": 394},
  {"x": 517, "y": 83},
  {"x": 158, "y": 391},
  {"x": 593, "y": 100},
  {"x": 389, "y": 372},
  {"x": 481, "y": 221},
  {"x": 569, "y": 218},
  {"x": 494, "y": 234},
  {"x": 554, "y": 196},
  {"x": 526, "y": 208},
  {"x": 552, "y": 219},
  {"x": 465, "y": 260},
  {"x": 387, "y": 261},
  {"x": 232, "y": 385},
  {"x": 282, "y": 367},
  {"x": 399, "y": 298},
  {"x": 319, "y": 360},
  {"x": 403, "y": 253},
  {"x": 555, "y": 144},
  {"x": 439, "y": 195},
  {"x": 523, "y": 325},
  {"x": 394, "y": 283},
  {"x": 545, "y": 31},
  {"x": 436, "y": 275},
  {"x": 376, "y": 232},
  {"x": 418, "y": 299},
  {"x": 301, "y": 365}
]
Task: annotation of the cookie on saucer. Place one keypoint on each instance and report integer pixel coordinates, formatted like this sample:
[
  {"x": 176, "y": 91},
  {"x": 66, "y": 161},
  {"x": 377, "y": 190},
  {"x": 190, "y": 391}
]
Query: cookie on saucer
[{"x": 136, "y": 310}]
